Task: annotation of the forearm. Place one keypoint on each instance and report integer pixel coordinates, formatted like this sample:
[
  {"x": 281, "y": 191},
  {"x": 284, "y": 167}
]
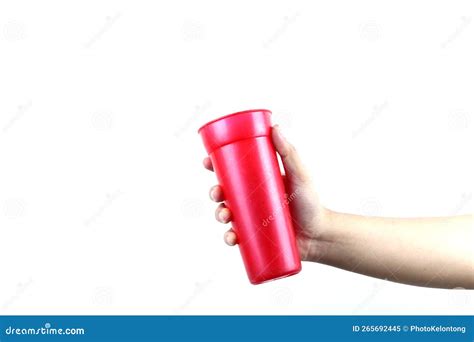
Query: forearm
[{"x": 434, "y": 252}]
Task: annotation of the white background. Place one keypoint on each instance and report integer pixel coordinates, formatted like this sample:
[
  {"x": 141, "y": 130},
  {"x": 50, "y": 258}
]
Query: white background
[{"x": 103, "y": 199}]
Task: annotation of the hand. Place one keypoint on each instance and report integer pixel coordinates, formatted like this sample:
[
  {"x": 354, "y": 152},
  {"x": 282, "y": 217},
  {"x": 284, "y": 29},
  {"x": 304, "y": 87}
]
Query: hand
[{"x": 307, "y": 213}]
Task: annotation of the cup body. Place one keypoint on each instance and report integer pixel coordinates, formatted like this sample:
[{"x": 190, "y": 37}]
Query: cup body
[{"x": 246, "y": 166}]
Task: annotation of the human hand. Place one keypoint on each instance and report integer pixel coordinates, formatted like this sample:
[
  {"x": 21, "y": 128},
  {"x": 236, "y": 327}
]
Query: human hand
[{"x": 307, "y": 213}]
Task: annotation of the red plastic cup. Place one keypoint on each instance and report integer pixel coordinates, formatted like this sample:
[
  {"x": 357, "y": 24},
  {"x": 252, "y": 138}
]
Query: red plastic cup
[{"x": 247, "y": 169}]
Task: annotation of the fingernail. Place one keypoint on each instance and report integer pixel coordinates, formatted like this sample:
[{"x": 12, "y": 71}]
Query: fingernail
[
  {"x": 222, "y": 216},
  {"x": 212, "y": 195},
  {"x": 228, "y": 240}
]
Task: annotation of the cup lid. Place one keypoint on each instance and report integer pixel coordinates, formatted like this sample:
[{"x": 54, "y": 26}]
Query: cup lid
[{"x": 234, "y": 127}]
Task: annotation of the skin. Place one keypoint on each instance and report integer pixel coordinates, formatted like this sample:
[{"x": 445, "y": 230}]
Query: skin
[{"x": 429, "y": 252}]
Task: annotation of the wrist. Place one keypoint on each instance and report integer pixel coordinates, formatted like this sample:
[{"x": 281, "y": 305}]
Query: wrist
[{"x": 326, "y": 237}]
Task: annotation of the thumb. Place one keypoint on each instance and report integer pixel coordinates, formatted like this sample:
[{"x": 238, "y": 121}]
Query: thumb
[{"x": 294, "y": 169}]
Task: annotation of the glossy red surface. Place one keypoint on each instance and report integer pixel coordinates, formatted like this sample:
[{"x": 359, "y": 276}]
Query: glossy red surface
[{"x": 246, "y": 166}]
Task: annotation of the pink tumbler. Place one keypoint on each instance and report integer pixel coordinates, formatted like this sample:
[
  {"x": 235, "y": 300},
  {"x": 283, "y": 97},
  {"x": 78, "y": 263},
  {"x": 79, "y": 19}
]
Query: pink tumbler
[{"x": 246, "y": 166}]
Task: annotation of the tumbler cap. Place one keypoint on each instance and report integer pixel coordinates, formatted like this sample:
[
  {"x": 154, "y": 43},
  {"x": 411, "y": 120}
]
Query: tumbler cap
[{"x": 234, "y": 127}]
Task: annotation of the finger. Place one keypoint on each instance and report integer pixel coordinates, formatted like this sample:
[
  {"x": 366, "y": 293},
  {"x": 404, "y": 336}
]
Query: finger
[
  {"x": 216, "y": 194},
  {"x": 230, "y": 237},
  {"x": 223, "y": 214},
  {"x": 294, "y": 168},
  {"x": 208, "y": 164}
]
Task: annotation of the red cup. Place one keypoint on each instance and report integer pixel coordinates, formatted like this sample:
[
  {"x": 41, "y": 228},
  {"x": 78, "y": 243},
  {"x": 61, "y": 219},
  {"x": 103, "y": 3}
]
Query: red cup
[{"x": 247, "y": 169}]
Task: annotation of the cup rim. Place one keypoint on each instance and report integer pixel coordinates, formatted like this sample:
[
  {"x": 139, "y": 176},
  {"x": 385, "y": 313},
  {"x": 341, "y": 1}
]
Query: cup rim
[{"x": 229, "y": 115}]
